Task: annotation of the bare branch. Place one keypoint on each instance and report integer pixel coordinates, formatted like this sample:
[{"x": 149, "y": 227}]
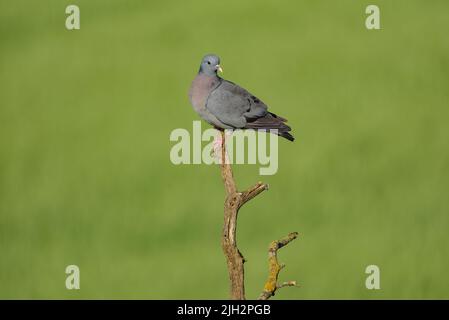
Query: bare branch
[
  {"x": 226, "y": 170},
  {"x": 271, "y": 285},
  {"x": 287, "y": 284},
  {"x": 235, "y": 260},
  {"x": 232, "y": 204}
]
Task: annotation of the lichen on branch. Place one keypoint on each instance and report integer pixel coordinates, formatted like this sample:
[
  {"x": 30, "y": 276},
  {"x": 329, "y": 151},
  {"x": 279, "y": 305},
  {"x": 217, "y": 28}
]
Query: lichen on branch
[{"x": 234, "y": 258}]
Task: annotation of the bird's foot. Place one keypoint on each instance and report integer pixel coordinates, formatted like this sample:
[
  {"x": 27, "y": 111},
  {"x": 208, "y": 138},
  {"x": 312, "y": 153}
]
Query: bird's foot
[{"x": 217, "y": 144}]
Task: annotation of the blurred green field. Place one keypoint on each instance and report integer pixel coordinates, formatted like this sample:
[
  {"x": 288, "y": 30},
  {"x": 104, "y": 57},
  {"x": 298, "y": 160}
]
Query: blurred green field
[{"x": 85, "y": 176}]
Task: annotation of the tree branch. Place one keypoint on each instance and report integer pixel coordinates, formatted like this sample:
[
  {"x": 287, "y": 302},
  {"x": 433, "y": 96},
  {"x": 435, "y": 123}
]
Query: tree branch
[
  {"x": 234, "y": 201},
  {"x": 271, "y": 285},
  {"x": 235, "y": 260},
  {"x": 252, "y": 192}
]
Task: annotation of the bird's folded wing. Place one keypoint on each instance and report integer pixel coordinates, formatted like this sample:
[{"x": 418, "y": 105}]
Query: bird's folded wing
[{"x": 233, "y": 105}]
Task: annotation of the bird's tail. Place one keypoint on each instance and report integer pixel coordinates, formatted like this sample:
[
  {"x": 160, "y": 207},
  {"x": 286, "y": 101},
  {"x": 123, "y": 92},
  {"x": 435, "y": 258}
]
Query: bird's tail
[
  {"x": 286, "y": 135},
  {"x": 271, "y": 121}
]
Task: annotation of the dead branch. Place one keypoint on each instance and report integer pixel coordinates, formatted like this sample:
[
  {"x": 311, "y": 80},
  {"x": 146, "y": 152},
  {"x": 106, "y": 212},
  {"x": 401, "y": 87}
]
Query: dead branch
[
  {"x": 271, "y": 285},
  {"x": 234, "y": 201}
]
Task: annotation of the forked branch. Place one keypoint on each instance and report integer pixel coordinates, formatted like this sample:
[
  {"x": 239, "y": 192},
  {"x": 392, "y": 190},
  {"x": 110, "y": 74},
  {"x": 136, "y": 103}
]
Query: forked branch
[
  {"x": 235, "y": 260},
  {"x": 271, "y": 285}
]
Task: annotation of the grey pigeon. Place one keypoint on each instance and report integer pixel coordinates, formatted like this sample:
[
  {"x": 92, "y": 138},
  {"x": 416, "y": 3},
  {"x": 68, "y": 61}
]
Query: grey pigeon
[{"x": 226, "y": 105}]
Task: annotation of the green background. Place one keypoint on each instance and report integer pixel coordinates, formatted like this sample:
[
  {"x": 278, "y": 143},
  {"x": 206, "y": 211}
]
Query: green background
[{"x": 85, "y": 175}]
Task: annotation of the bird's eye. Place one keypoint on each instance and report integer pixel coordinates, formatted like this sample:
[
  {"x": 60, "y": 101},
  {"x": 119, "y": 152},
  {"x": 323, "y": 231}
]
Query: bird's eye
[{"x": 208, "y": 62}]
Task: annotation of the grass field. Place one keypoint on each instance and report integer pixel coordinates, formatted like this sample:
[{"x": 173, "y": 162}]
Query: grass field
[{"x": 85, "y": 175}]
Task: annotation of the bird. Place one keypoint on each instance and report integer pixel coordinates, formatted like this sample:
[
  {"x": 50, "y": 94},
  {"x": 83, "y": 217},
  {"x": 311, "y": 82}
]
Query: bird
[{"x": 226, "y": 105}]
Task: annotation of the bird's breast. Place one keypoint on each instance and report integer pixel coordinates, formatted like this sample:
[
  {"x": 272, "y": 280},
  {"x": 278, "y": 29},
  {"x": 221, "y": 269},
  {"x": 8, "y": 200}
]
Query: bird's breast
[{"x": 199, "y": 91}]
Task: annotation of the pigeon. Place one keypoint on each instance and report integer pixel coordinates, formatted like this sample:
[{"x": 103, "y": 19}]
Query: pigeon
[{"x": 225, "y": 105}]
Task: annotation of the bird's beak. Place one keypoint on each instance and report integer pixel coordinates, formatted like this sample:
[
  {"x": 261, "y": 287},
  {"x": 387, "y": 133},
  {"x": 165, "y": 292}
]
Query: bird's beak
[{"x": 219, "y": 68}]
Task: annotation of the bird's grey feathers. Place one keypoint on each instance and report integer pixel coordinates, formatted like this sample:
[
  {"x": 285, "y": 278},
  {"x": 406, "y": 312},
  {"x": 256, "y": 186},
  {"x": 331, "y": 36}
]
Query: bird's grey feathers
[
  {"x": 226, "y": 105},
  {"x": 240, "y": 105}
]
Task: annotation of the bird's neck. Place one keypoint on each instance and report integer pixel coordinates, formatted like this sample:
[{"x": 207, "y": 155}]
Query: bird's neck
[{"x": 209, "y": 74}]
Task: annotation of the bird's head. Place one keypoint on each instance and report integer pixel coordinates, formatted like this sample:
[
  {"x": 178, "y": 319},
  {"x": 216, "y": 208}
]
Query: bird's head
[{"x": 210, "y": 65}]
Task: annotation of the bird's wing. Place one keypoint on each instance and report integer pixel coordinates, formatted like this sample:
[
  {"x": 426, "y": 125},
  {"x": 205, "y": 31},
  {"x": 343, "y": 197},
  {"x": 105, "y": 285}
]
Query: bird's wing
[{"x": 234, "y": 106}]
